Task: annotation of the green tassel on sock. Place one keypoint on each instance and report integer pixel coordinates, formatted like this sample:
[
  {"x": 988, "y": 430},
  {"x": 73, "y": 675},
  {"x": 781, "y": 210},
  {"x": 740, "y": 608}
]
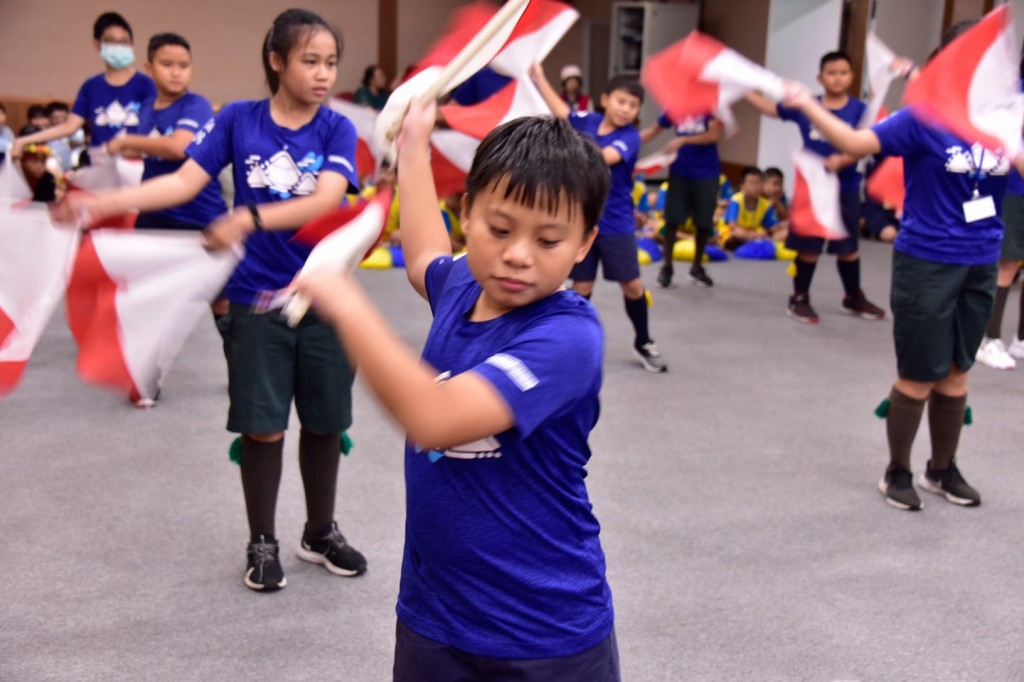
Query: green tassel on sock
[
  {"x": 346, "y": 444},
  {"x": 235, "y": 451},
  {"x": 968, "y": 416},
  {"x": 882, "y": 411}
]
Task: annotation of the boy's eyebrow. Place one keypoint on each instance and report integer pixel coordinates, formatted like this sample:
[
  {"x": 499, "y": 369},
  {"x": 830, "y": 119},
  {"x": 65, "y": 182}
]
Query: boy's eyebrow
[{"x": 508, "y": 216}]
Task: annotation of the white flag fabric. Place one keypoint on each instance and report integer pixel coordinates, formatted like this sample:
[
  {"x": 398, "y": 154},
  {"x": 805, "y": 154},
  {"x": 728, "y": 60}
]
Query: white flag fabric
[
  {"x": 134, "y": 298},
  {"x": 107, "y": 172},
  {"x": 13, "y": 186},
  {"x": 364, "y": 119},
  {"x": 815, "y": 210},
  {"x": 654, "y": 163},
  {"x": 880, "y": 77},
  {"x": 35, "y": 259}
]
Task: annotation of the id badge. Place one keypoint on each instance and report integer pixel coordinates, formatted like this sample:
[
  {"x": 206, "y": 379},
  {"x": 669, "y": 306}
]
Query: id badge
[{"x": 979, "y": 208}]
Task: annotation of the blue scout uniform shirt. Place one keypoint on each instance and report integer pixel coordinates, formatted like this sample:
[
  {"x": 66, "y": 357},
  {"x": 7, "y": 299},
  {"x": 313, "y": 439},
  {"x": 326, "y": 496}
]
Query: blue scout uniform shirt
[
  {"x": 849, "y": 177},
  {"x": 617, "y": 218},
  {"x": 272, "y": 163},
  {"x": 693, "y": 161},
  {"x": 502, "y": 556},
  {"x": 190, "y": 112},
  {"x": 940, "y": 173},
  {"x": 110, "y": 109}
]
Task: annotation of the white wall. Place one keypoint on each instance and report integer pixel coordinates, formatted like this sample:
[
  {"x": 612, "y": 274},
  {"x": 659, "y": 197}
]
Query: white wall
[{"x": 799, "y": 32}]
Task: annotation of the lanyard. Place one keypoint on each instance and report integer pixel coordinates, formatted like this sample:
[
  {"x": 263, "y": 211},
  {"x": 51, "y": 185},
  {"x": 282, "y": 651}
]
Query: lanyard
[{"x": 978, "y": 174}]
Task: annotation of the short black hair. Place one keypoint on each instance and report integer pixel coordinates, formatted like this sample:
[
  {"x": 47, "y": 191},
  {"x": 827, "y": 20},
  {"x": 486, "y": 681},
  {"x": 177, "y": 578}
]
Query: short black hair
[
  {"x": 835, "y": 56},
  {"x": 36, "y": 110},
  {"x": 163, "y": 40},
  {"x": 629, "y": 84},
  {"x": 368, "y": 73},
  {"x": 289, "y": 29},
  {"x": 750, "y": 170},
  {"x": 108, "y": 19},
  {"x": 772, "y": 172},
  {"x": 56, "y": 106},
  {"x": 545, "y": 162}
]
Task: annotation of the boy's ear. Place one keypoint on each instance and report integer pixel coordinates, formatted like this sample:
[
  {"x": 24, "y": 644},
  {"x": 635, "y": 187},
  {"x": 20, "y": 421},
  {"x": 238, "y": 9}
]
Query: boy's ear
[
  {"x": 588, "y": 241},
  {"x": 604, "y": 100},
  {"x": 820, "y": 81}
]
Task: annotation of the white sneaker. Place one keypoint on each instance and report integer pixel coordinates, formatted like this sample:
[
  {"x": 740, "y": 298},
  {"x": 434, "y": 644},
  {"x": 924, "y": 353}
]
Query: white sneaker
[
  {"x": 992, "y": 353},
  {"x": 1016, "y": 349}
]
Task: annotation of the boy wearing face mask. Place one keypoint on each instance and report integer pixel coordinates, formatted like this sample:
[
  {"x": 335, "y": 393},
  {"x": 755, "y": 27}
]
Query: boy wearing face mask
[{"x": 110, "y": 101}]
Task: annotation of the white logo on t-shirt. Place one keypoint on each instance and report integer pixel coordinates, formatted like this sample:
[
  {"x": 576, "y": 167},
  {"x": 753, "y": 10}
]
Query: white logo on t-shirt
[
  {"x": 282, "y": 175},
  {"x": 966, "y": 160},
  {"x": 484, "y": 448},
  {"x": 691, "y": 126},
  {"x": 117, "y": 115}
]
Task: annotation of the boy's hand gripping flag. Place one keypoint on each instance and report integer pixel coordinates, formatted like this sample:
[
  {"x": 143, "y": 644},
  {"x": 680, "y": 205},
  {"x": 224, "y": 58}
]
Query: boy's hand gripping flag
[
  {"x": 343, "y": 239},
  {"x": 972, "y": 87},
  {"x": 35, "y": 258},
  {"x": 698, "y": 76},
  {"x": 815, "y": 208},
  {"x": 134, "y": 298}
]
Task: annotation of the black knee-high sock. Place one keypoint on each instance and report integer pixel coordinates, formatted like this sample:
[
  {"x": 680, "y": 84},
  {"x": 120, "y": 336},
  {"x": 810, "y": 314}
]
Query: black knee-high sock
[
  {"x": 700, "y": 243},
  {"x": 945, "y": 422},
  {"x": 261, "y": 477},
  {"x": 669, "y": 245},
  {"x": 636, "y": 308},
  {"x": 804, "y": 274},
  {"x": 849, "y": 274},
  {"x": 995, "y": 320},
  {"x": 318, "y": 462},
  {"x": 901, "y": 426}
]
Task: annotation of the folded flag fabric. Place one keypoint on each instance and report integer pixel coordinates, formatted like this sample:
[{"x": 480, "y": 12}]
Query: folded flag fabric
[
  {"x": 698, "y": 75},
  {"x": 134, "y": 298},
  {"x": 815, "y": 211},
  {"x": 35, "y": 259},
  {"x": 880, "y": 77},
  {"x": 972, "y": 87},
  {"x": 107, "y": 172},
  {"x": 886, "y": 184},
  {"x": 654, "y": 163},
  {"x": 451, "y": 157},
  {"x": 363, "y": 118}
]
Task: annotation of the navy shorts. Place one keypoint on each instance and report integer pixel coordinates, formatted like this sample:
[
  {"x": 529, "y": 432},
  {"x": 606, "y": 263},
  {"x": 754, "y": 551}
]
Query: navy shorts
[
  {"x": 270, "y": 363},
  {"x": 691, "y": 198},
  {"x": 419, "y": 659},
  {"x": 617, "y": 254},
  {"x": 849, "y": 205},
  {"x": 939, "y": 314}
]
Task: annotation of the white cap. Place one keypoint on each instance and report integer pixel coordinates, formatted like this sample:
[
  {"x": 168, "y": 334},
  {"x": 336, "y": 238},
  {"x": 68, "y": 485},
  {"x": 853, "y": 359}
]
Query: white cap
[{"x": 571, "y": 71}]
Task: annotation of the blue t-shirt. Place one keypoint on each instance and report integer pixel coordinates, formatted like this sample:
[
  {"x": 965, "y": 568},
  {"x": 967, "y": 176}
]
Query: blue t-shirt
[
  {"x": 502, "y": 556},
  {"x": 272, "y": 163},
  {"x": 1015, "y": 183},
  {"x": 110, "y": 109},
  {"x": 693, "y": 161},
  {"x": 852, "y": 113},
  {"x": 939, "y": 173},
  {"x": 617, "y": 218},
  {"x": 190, "y": 112}
]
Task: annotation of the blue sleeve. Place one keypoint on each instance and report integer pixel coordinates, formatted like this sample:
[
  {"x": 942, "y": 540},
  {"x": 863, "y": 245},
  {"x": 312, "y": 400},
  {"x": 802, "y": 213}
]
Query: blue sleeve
[
  {"x": 194, "y": 115},
  {"x": 546, "y": 369},
  {"x": 212, "y": 147},
  {"x": 732, "y": 213},
  {"x": 146, "y": 118},
  {"x": 897, "y": 134},
  {"x": 663, "y": 121},
  {"x": 770, "y": 219},
  {"x": 81, "y": 107},
  {"x": 579, "y": 119},
  {"x": 340, "y": 151},
  {"x": 788, "y": 113},
  {"x": 628, "y": 144},
  {"x": 436, "y": 277}
]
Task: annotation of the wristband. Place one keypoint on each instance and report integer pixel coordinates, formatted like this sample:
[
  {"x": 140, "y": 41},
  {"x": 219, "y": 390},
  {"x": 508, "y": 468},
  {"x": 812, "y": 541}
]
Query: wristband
[{"x": 257, "y": 222}]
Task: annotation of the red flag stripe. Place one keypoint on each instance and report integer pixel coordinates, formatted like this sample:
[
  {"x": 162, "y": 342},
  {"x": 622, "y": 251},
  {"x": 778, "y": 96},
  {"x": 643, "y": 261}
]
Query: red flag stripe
[{"x": 6, "y": 327}]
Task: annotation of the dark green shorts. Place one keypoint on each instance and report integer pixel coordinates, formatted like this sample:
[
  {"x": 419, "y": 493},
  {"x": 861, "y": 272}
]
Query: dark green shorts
[
  {"x": 269, "y": 364},
  {"x": 939, "y": 313},
  {"x": 1013, "y": 219}
]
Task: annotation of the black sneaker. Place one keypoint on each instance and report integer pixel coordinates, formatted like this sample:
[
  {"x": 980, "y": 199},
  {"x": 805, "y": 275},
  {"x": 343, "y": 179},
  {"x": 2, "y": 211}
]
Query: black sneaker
[
  {"x": 263, "y": 571},
  {"x": 898, "y": 487},
  {"x": 800, "y": 309},
  {"x": 860, "y": 306},
  {"x": 700, "y": 277},
  {"x": 650, "y": 357},
  {"x": 950, "y": 484},
  {"x": 665, "y": 278},
  {"x": 330, "y": 550}
]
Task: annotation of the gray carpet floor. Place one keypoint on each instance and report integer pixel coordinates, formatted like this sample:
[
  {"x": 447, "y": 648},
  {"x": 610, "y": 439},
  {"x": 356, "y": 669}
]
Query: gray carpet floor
[{"x": 745, "y": 536}]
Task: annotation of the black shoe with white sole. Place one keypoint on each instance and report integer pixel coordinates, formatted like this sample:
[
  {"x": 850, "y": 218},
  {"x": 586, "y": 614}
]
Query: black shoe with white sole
[
  {"x": 699, "y": 276},
  {"x": 330, "y": 549},
  {"x": 263, "y": 571},
  {"x": 650, "y": 357},
  {"x": 949, "y": 484},
  {"x": 898, "y": 487}
]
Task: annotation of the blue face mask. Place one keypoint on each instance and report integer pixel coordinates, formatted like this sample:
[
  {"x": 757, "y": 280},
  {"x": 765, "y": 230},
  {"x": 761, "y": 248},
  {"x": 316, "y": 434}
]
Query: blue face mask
[{"x": 117, "y": 56}]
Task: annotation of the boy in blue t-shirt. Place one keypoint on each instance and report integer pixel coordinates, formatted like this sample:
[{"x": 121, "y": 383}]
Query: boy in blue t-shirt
[
  {"x": 616, "y": 135},
  {"x": 835, "y": 75},
  {"x": 944, "y": 271},
  {"x": 503, "y": 575},
  {"x": 167, "y": 125},
  {"x": 111, "y": 100}
]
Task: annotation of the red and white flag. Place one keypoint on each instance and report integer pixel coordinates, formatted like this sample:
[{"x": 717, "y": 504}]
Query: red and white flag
[
  {"x": 363, "y": 118},
  {"x": 108, "y": 171},
  {"x": 880, "y": 77},
  {"x": 518, "y": 98},
  {"x": 541, "y": 26},
  {"x": 972, "y": 87},
  {"x": 13, "y": 186},
  {"x": 886, "y": 184},
  {"x": 654, "y": 163},
  {"x": 451, "y": 157},
  {"x": 698, "y": 76},
  {"x": 815, "y": 210},
  {"x": 134, "y": 298},
  {"x": 35, "y": 258}
]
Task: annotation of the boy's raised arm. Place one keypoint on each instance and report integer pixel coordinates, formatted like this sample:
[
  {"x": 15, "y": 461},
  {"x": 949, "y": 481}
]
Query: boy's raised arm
[
  {"x": 424, "y": 237},
  {"x": 855, "y": 143},
  {"x": 559, "y": 109}
]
